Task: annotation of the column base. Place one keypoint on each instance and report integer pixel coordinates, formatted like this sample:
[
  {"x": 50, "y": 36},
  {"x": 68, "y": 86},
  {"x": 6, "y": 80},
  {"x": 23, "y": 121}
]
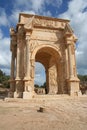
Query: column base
[
  {"x": 52, "y": 92},
  {"x": 18, "y": 94},
  {"x": 73, "y": 87},
  {"x": 76, "y": 93},
  {"x": 28, "y": 95}
]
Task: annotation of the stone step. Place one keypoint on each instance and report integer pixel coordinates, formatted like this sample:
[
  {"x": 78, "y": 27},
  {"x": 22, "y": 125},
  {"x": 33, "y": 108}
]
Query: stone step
[
  {"x": 39, "y": 98},
  {"x": 52, "y": 96}
]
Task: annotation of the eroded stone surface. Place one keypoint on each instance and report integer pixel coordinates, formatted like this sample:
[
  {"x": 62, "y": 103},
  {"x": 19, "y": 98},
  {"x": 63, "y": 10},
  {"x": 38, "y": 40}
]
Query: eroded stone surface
[{"x": 49, "y": 41}]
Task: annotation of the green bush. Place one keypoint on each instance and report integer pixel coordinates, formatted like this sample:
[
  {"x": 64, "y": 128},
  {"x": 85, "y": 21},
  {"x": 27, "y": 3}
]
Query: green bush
[{"x": 4, "y": 79}]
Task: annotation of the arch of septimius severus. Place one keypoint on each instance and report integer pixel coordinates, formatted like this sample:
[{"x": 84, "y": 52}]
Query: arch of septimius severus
[{"x": 47, "y": 40}]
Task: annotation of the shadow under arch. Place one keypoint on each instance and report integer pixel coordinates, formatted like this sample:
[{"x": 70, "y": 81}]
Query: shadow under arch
[
  {"x": 50, "y": 57},
  {"x": 42, "y": 46}
]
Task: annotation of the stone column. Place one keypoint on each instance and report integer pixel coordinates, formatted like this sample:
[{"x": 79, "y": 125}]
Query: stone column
[
  {"x": 18, "y": 91},
  {"x": 12, "y": 77},
  {"x": 28, "y": 79},
  {"x": 53, "y": 84},
  {"x": 18, "y": 63},
  {"x": 13, "y": 50},
  {"x": 12, "y": 65},
  {"x": 27, "y": 58},
  {"x": 73, "y": 81},
  {"x": 67, "y": 65},
  {"x": 71, "y": 74}
]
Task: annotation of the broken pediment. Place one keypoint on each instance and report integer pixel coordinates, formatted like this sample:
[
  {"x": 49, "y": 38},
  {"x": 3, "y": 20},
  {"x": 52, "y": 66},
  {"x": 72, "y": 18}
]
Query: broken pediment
[
  {"x": 29, "y": 23},
  {"x": 42, "y": 22}
]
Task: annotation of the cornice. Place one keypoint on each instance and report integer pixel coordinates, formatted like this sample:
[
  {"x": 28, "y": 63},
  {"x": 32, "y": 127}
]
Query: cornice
[{"x": 42, "y": 17}]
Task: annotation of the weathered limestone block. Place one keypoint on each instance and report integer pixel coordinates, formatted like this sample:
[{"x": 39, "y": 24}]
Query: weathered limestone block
[
  {"x": 49, "y": 41},
  {"x": 28, "y": 93}
]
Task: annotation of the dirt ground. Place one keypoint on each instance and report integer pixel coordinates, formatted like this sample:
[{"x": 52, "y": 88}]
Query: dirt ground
[{"x": 59, "y": 114}]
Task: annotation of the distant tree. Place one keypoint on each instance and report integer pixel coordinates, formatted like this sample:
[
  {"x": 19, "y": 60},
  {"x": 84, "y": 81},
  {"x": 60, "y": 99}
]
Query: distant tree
[
  {"x": 43, "y": 86},
  {"x": 36, "y": 86},
  {"x": 83, "y": 83},
  {"x": 4, "y": 79},
  {"x": 82, "y": 77}
]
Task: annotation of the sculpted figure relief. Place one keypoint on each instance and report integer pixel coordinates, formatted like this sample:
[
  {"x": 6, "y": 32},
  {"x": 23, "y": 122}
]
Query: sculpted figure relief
[
  {"x": 53, "y": 80},
  {"x": 49, "y": 23},
  {"x": 45, "y": 40},
  {"x": 33, "y": 44},
  {"x": 72, "y": 49}
]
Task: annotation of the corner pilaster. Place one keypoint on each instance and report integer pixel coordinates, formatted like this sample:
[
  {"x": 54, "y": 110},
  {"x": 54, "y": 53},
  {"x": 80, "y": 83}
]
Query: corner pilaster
[
  {"x": 72, "y": 81},
  {"x": 28, "y": 89},
  {"x": 13, "y": 57}
]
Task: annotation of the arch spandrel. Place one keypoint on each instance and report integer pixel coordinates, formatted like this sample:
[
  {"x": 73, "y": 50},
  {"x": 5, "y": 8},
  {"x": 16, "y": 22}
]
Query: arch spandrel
[
  {"x": 53, "y": 47},
  {"x": 51, "y": 38}
]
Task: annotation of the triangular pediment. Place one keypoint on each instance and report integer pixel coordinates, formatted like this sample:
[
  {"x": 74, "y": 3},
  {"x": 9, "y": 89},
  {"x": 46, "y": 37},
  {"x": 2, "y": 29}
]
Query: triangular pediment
[{"x": 68, "y": 29}]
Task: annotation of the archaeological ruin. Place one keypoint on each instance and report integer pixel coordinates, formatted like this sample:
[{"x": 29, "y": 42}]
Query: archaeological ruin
[{"x": 51, "y": 42}]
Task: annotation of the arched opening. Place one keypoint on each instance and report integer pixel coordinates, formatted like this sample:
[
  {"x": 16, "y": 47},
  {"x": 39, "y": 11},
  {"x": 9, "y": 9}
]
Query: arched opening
[
  {"x": 50, "y": 59},
  {"x": 40, "y": 78}
]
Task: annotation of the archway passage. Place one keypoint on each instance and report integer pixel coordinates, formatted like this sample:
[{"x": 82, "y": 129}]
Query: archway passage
[
  {"x": 49, "y": 41},
  {"x": 50, "y": 59},
  {"x": 39, "y": 79}
]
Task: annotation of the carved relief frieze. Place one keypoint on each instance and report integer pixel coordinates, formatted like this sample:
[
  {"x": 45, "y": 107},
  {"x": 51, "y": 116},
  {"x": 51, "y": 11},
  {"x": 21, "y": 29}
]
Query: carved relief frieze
[
  {"x": 19, "y": 44},
  {"x": 47, "y": 30},
  {"x": 49, "y": 41},
  {"x": 32, "y": 72},
  {"x": 46, "y": 35},
  {"x": 72, "y": 49},
  {"x": 52, "y": 77},
  {"x": 33, "y": 44},
  {"x": 32, "y": 66},
  {"x": 48, "y": 23},
  {"x": 53, "y": 80},
  {"x": 74, "y": 70},
  {"x": 32, "y": 62}
]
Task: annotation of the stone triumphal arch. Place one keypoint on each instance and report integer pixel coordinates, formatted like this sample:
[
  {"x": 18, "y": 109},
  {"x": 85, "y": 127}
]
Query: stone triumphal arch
[{"x": 47, "y": 40}]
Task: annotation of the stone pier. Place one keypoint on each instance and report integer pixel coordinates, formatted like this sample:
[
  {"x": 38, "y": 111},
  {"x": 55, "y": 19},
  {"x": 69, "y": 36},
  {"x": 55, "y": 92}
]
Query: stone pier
[{"x": 49, "y": 41}]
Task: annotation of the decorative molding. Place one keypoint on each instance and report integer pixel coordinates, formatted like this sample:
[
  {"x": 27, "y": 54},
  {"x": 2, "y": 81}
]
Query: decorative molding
[
  {"x": 48, "y": 23},
  {"x": 33, "y": 45}
]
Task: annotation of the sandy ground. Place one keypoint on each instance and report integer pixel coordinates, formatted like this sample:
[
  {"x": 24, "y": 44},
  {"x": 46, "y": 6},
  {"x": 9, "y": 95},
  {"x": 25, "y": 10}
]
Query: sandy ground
[{"x": 60, "y": 114}]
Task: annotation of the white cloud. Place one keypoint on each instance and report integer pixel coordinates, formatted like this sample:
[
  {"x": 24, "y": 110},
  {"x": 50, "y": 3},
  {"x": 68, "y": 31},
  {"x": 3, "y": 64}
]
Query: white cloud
[
  {"x": 22, "y": 2},
  {"x": 47, "y": 13},
  {"x": 13, "y": 18},
  {"x": 56, "y": 3},
  {"x": 39, "y": 67},
  {"x": 77, "y": 13},
  {"x": 40, "y": 76},
  {"x": 29, "y": 12},
  {"x": 38, "y": 6},
  {"x": 3, "y": 18},
  {"x": 1, "y": 34},
  {"x": 5, "y": 54},
  {"x": 29, "y": 4}
]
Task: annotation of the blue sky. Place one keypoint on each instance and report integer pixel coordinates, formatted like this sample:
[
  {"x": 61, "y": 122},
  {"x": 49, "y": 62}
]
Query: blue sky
[{"x": 74, "y": 10}]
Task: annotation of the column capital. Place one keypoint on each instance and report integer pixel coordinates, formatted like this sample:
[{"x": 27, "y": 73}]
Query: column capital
[
  {"x": 27, "y": 35},
  {"x": 70, "y": 39},
  {"x": 12, "y": 32}
]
